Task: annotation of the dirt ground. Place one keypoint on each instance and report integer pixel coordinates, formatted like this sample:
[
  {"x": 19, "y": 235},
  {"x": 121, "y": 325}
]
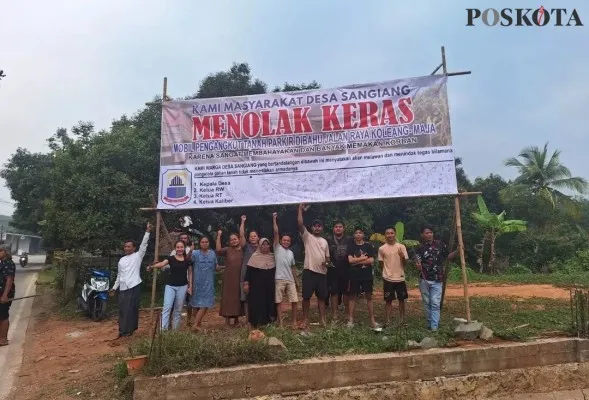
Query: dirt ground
[
  {"x": 494, "y": 290},
  {"x": 67, "y": 359}
]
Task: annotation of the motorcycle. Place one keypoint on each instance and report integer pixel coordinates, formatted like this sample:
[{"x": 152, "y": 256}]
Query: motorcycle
[
  {"x": 94, "y": 297},
  {"x": 23, "y": 259}
]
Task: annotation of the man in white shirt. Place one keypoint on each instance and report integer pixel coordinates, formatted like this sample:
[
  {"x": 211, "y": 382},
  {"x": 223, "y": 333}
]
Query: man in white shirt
[{"x": 128, "y": 284}]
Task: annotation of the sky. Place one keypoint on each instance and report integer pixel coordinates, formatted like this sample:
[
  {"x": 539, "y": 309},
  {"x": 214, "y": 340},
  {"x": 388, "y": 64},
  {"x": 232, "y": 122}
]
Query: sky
[{"x": 70, "y": 60}]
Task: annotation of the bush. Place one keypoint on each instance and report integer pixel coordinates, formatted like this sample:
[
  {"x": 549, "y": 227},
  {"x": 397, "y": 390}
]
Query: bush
[
  {"x": 455, "y": 274},
  {"x": 518, "y": 269},
  {"x": 575, "y": 264},
  {"x": 183, "y": 351}
]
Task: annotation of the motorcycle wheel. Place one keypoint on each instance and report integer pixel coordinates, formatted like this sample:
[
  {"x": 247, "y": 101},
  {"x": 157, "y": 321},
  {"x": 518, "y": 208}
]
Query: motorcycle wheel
[{"x": 98, "y": 312}]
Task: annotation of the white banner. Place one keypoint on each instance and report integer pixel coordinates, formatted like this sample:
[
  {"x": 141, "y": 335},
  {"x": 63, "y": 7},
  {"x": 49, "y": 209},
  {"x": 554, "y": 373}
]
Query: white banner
[{"x": 382, "y": 140}]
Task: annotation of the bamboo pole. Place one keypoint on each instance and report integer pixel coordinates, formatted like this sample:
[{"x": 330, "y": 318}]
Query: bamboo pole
[
  {"x": 461, "y": 252},
  {"x": 164, "y": 227},
  {"x": 158, "y": 222},
  {"x": 444, "y": 65}
]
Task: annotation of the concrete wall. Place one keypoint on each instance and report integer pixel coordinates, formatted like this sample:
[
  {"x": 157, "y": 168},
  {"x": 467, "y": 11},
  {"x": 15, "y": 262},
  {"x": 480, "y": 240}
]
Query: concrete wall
[{"x": 334, "y": 372}]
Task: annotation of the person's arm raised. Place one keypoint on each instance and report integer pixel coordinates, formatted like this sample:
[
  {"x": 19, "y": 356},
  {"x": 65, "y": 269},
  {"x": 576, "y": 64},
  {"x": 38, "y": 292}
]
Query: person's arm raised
[
  {"x": 143, "y": 247},
  {"x": 275, "y": 229},
  {"x": 242, "y": 240},
  {"x": 300, "y": 221},
  {"x": 218, "y": 246}
]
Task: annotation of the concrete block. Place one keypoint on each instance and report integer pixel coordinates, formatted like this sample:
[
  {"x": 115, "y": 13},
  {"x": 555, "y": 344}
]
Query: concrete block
[
  {"x": 486, "y": 333},
  {"x": 503, "y": 369},
  {"x": 569, "y": 395},
  {"x": 428, "y": 343},
  {"x": 468, "y": 331}
]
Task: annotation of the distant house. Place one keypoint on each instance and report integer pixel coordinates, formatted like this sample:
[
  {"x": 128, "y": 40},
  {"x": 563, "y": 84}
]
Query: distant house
[{"x": 22, "y": 243}]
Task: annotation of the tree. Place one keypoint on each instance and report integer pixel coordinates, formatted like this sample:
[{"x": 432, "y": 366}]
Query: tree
[
  {"x": 545, "y": 177},
  {"x": 400, "y": 235},
  {"x": 287, "y": 87},
  {"x": 238, "y": 81},
  {"x": 27, "y": 178},
  {"x": 494, "y": 225}
]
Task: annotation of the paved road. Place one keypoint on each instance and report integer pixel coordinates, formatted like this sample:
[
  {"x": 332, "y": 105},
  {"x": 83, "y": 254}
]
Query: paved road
[{"x": 20, "y": 312}]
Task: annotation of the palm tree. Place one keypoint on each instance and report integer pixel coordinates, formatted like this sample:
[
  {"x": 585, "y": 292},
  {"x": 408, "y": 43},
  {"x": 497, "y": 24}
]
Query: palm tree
[
  {"x": 494, "y": 225},
  {"x": 544, "y": 176}
]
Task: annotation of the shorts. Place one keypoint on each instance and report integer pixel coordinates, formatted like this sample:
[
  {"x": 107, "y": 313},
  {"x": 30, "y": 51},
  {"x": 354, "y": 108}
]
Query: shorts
[
  {"x": 337, "y": 282},
  {"x": 361, "y": 286},
  {"x": 286, "y": 290},
  {"x": 314, "y": 282},
  {"x": 395, "y": 290},
  {"x": 4, "y": 308}
]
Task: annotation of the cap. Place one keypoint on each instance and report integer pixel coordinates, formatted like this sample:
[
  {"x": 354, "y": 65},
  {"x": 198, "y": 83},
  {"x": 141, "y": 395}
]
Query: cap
[{"x": 317, "y": 222}]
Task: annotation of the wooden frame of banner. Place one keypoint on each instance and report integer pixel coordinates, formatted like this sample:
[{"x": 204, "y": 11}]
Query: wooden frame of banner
[
  {"x": 457, "y": 214},
  {"x": 458, "y": 218}
]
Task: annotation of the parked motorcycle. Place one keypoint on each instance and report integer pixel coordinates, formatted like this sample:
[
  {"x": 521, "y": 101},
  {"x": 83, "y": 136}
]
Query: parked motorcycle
[
  {"x": 23, "y": 259},
  {"x": 94, "y": 297}
]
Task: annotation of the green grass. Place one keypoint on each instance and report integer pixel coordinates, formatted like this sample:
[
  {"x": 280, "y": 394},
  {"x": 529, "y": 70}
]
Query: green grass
[
  {"x": 182, "y": 351},
  {"x": 46, "y": 276},
  {"x": 580, "y": 278}
]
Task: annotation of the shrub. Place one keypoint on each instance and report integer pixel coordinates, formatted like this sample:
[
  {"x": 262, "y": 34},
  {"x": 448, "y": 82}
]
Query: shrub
[
  {"x": 455, "y": 274},
  {"x": 579, "y": 262},
  {"x": 518, "y": 269}
]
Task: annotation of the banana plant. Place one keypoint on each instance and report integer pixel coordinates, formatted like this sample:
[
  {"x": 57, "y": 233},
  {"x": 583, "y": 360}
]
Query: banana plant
[
  {"x": 494, "y": 225},
  {"x": 400, "y": 229}
]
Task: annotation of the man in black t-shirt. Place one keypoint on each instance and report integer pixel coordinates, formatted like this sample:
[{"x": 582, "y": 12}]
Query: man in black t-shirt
[
  {"x": 338, "y": 275},
  {"x": 361, "y": 257}
]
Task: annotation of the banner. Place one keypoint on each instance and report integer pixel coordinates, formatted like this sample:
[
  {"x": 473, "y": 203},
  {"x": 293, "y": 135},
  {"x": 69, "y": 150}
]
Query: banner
[{"x": 381, "y": 140}]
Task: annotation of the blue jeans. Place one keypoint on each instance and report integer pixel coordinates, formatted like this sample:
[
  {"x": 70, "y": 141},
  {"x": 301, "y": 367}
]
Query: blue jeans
[
  {"x": 174, "y": 296},
  {"x": 431, "y": 295}
]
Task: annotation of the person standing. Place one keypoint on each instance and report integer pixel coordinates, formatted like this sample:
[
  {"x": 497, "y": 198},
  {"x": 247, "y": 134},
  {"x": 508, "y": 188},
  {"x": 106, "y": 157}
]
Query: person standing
[
  {"x": 315, "y": 267},
  {"x": 204, "y": 265},
  {"x": 429, "y": 260},
  {"x": 178, "y": 285},
  {"x": 286, "y": 287},
  {"x": 338, "y": 278},
  {"x": 230, "y": 294},
  {"x": 128, "y": 283},
  {"x": 259, "y": 286},
  {"x": 7, "y": 291},
  {"x": 392, "y": 257},
  {"x": 188, "y": 248},
  {"x": 249, "y": 246},
  {"x": 187, "y": 244},
  {"x": 361, "y": 257}
]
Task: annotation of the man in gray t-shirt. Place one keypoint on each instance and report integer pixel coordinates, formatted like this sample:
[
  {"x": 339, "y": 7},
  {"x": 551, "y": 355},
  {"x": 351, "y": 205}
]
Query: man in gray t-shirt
[{"x": 286, "y": 287}]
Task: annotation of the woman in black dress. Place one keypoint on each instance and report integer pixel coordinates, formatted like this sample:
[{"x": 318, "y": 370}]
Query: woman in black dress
[{"x": 259, "y": 286}]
